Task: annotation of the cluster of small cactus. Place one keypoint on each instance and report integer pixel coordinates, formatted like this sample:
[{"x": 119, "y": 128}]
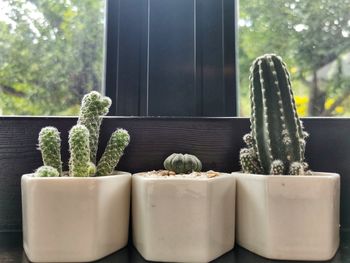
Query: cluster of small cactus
[
  {"x": 276, "y": 143},
  {"x": 83, "y": 143},
  {"x": 182, "y": 163}
]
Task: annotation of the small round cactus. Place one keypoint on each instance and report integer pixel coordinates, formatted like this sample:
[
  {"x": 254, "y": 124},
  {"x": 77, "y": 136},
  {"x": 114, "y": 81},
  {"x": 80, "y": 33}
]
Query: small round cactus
[
  {"x": 93, "y": 107},
  {"x": 46, "y": 171},
  {"x": 296, "y": 168},
  {"x": 114, "y": 150},
  {"x": 248, "y": 139},
  {"x": 91, "y": 169},
  {"x": 182, "y": 163},
  {"x": 50, "y": 147},
  {"x": 277, "y": 167},
  {"x": 79, "y": 161}
]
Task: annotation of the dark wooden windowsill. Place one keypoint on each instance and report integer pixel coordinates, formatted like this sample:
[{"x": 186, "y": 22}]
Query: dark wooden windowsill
[{"x": 11, "y": 251}]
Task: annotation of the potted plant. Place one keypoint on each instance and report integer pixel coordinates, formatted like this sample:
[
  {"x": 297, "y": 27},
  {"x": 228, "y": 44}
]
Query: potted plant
[
  {"x": 82, "y": 214},
  {"x": 182, "y": 214},
  {"x": 284, "y": 210}
]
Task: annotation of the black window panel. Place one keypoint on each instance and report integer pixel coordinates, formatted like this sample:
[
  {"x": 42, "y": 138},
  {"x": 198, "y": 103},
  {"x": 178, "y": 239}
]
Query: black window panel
[{"x": 171, "y": 57}]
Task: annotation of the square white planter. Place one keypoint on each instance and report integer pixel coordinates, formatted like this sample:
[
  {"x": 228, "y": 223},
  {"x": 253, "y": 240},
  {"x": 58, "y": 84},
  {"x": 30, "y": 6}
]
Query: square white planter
[
  {"x": 70, "y": 219},
  {"x": 183, "y": 219},
  {"x": 288, "y": 217}
]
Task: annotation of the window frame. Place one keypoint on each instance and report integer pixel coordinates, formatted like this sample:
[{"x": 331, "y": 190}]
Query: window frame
[{"x": 112, "y": 87}]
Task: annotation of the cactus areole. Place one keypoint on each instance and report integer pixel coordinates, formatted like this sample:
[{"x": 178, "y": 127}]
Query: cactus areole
[{"x": 277, "y": 139}]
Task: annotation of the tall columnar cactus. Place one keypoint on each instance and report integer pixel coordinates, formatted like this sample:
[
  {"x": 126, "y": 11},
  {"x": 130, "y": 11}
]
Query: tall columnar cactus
[
  {"x": 276, "y": 143},
  {"x": 50, "y": 147},
  {"x": 93, "y": 107},
  {"x": 79, "y": 162},
  {"x": 114, "y": 150}
]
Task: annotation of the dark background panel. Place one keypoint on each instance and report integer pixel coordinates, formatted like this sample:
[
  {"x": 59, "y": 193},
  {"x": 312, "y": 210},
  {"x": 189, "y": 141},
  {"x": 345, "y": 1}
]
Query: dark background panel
[
  {"x": 171, "y": 58},
  {"x": 210, "y": 53},
  {"x": 216, "y": 141},
  {"x": 126, "y": 52},
  {"x": 230, "y": 54},
  {"x": 131, "y": 50}
]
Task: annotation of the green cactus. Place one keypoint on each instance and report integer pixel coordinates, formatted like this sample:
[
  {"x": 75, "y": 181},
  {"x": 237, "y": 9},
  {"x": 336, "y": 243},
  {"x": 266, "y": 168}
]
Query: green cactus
[
  {"x": 114, "y": 150},
  {"x": 249, "y": 161},
  {"x": 182, "y": 163},
  {"x": 277, "y": 167},
  {"x": 296, "y": 168},
  {"x": 79, "y": 162},
  {"x": 83, "y": 142},
  {"x": 248, "y": 139},
  {"x": 93, "y": 107},
  {"x": 50, "y": 147},
  {"x": 276, "y": 131},
  {"x": 91, "y": 169},
  {"x": 46, "y": 171}
]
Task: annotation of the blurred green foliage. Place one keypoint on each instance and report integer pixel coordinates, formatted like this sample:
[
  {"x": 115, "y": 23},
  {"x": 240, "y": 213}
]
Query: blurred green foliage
[
  {"x": 313, "y": 37},
  {"x": 51, "y": 54}
]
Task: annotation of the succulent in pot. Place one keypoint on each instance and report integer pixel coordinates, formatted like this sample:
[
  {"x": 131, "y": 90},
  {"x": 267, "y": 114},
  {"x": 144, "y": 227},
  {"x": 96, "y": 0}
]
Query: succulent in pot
[
  {"x": 278, "y": 197},
  {"x": 276, "y": 143},
  {"x": 54, "y": 201},
  {"x": 174, "y": 211},
  {"x": 83, "y": 142},
  {"x": 182, "y": 163}
]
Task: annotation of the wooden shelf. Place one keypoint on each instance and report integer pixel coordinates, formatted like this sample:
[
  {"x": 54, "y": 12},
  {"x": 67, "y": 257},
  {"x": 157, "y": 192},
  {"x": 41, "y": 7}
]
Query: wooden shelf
[{"x": 11, "y": 251}]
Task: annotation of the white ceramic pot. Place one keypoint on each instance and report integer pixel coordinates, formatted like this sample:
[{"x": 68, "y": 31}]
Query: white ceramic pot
[
  {"x": 183, "y": 219},
  {"x": 70, "y": 219},
  {"x": 288, "y": 217}
]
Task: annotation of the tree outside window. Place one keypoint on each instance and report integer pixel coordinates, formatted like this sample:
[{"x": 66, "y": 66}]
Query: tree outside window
[
  {"x": 51, "y": 53},
  {"x": 313, "y": 37}
]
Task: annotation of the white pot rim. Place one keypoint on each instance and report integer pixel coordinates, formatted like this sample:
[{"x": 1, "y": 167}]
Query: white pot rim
[
  {"x": 184, "y": 178},
  {"x": 313, "y": 175},
  {"x": 65, "y": 178}
]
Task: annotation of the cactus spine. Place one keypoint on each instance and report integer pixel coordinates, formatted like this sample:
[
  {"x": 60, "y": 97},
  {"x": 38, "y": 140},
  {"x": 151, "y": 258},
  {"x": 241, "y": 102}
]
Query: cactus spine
[
  {"x": 46, "y": 171},
  {"x": 50, "y": 147},
  {"x": 277, "y": 137},
  {"x": 114, "y": 150},
  {"x": 93, "y": 107},
  {"x": 79, "y": 162}
]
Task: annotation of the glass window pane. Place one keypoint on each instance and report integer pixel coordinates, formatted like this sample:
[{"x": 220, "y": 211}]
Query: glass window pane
[
  {"x": 51, "y": 53},
  {"x": 313, "y": 37}
]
